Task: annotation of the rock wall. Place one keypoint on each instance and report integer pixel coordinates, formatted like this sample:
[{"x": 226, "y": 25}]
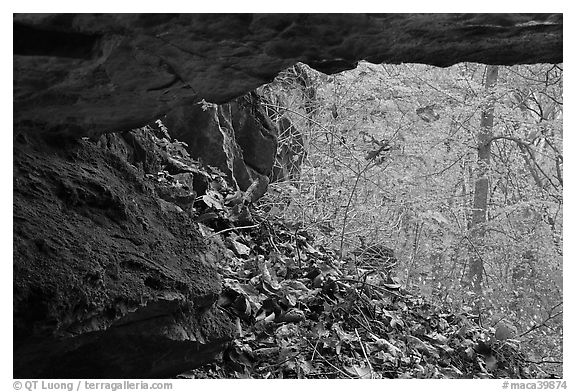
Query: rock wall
[
  {"x": 84, "y": 74},
  {"x": 237, "y": 137},
  {"x": 110, "y": 280}
]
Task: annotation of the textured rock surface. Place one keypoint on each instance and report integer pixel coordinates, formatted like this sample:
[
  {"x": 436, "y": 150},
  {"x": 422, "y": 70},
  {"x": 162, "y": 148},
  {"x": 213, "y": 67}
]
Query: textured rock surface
[
  {"x": 237, "y": 137},
  {"x": 109, "y": 279},
  {"x": 86, "y": 74}
]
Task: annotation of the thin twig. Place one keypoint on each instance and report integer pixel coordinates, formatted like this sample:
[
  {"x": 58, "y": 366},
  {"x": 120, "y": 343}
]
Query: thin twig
[
  {"x": 346, "y": 210},
  {"x": 327, "y": 361},
  {"x": 542, "y": 324},
  {"x": 315, "y": 351},
  {"x": 371, "y": 285},
  {"x": 543, "y": 361},
  {"x": 230, "y": 229},
  {"x": 297, "y": 248},
  {"x": 274, "y": 244},
  {"x": 367, "y": 325},
  {"x": 365, "y": 355}
]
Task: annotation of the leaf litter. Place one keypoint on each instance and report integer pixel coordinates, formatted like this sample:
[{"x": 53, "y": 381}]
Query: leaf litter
[{"x": 302, "y": 312}]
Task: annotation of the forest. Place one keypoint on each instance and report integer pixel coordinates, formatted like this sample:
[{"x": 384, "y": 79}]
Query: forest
[{"x": 442, "y": 182}]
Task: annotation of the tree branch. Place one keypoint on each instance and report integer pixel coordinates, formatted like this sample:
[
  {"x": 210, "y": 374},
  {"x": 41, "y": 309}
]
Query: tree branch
[
  {"x": 528, "y": 147},
  {"x": 543, "y": 323}
]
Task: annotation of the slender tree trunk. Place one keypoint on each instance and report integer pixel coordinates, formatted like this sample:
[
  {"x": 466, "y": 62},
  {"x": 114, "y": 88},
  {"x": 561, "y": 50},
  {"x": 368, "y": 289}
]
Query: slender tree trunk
[{"x": 481, "y": 187}]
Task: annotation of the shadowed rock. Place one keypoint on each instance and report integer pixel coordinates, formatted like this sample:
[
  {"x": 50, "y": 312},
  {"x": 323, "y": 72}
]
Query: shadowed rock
[
  {"x": 107, "y": 281},
  {"x": 87, "y": 74}
]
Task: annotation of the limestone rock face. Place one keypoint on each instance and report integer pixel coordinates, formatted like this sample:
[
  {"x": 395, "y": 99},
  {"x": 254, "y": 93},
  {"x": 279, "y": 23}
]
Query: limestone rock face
[
  {"x": 237, "y": 137},
  {"x": 87, "y": 74},
  {"x": 110, "y": 280}
]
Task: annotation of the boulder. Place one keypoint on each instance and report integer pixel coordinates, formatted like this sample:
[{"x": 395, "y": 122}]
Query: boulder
[{"x": 108, "y": 282}]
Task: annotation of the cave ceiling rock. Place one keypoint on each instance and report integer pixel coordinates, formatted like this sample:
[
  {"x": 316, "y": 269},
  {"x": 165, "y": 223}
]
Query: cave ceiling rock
[{"x": 87, "y": 74}]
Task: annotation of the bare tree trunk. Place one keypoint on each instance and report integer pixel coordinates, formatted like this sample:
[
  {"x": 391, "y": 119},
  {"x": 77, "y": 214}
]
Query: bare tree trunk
[{"x": 481, "y": 187}]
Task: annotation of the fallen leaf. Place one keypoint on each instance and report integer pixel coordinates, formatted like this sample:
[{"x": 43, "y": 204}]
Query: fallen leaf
[{"x": 359, "y": 371}]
